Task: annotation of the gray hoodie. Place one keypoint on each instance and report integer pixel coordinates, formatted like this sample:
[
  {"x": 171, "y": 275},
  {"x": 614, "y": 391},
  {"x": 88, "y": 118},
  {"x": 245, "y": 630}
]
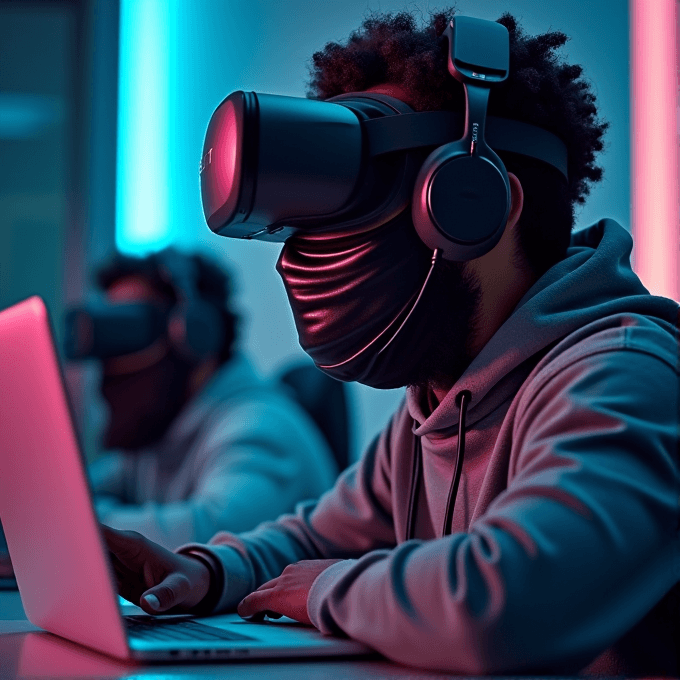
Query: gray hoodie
[
  {"x": 565, "y": 545},
  {"x": 223, "y": 450}
]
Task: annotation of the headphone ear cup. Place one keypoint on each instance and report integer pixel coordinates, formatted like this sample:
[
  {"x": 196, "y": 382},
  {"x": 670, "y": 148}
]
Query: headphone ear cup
[
  {"x": 196, "y": 330},
  {"x": 461, "y": 202}
]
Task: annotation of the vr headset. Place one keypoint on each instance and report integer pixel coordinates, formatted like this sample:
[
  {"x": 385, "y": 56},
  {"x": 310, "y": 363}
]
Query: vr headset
[
  {"x": 194, "y": 327},
  {"x": 273, "y": 166}
]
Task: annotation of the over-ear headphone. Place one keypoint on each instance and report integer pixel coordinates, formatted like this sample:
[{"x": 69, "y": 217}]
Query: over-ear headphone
[
  {"x": 195, "y": 327},
  {"x": 461, "y": 197}
]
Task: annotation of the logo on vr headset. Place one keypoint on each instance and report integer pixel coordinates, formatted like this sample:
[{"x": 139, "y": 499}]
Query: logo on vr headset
[
  {"x": 475, "y": 133},
  {"x": 205, "y": 162}
]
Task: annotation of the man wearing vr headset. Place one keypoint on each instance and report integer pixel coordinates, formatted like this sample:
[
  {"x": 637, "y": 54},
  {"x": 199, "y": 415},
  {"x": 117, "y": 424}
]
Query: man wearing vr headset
[
  {"x": 520, "y": 511},
  {"x": 194, "y": 432}
]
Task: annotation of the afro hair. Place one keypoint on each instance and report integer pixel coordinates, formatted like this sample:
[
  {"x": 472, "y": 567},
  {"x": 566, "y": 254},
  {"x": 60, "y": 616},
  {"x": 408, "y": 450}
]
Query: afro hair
[{"x": 540, "y": 89}]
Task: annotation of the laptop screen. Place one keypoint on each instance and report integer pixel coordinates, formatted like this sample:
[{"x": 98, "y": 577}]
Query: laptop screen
[{"x": 45, "y": 504}]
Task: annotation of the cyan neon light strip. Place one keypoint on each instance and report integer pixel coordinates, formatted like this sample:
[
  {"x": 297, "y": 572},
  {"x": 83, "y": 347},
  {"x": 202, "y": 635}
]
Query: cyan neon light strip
[{"x": 142, "y": 223}]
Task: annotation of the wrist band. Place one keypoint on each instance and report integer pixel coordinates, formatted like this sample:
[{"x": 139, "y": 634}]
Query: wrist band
[{"x": 216, "y": 587}]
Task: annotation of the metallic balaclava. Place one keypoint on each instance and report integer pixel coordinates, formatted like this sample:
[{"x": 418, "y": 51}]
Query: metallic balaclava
[{"x": 350, "y": 294}]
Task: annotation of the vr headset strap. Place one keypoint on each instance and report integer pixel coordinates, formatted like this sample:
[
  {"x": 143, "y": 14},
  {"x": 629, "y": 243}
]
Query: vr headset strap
[{"x": 434, "y": 128}]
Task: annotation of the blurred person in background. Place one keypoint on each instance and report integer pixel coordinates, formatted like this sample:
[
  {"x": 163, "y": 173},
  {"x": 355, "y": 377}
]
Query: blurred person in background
[{"x": 196, "y": 441}]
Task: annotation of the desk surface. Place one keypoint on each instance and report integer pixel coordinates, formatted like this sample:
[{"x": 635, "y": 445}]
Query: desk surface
[{"x": 26, "y": 652}]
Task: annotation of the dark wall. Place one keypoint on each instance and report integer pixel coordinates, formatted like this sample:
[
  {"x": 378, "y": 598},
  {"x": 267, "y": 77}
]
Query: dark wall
[{"x": 37, "y": 97}]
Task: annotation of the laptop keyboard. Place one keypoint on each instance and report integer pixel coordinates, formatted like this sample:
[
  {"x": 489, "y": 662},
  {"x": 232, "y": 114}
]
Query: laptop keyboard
[{"x": 166, "y": 630}]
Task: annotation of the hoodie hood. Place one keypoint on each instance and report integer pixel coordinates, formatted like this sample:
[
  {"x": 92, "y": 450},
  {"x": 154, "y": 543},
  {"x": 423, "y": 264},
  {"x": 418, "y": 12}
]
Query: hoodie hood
[{"x": 594, "y": 280}]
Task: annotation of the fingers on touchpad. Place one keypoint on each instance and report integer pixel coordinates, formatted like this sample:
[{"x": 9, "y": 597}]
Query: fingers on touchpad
[{"x": 260, "y": 616}]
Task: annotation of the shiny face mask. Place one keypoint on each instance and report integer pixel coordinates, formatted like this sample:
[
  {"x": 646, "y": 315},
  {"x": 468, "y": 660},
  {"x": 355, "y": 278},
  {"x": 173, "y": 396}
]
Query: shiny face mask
[{"x": 354, "y": 303}]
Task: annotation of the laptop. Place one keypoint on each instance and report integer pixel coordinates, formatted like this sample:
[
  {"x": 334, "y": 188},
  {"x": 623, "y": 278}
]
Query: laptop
[{"x": 59, "y": 556}]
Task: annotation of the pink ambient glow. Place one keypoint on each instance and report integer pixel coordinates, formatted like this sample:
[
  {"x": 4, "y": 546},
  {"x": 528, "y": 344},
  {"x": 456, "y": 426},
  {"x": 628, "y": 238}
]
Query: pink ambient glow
[
  {"x": 66, "y": 586},
  {"x": 654, "y": 112},
  {"x": 223, "y": 153}
]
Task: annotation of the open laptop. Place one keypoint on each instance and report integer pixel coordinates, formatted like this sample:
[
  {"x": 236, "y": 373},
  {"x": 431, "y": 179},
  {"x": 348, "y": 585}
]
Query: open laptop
[{"x": 59, "y": 556}]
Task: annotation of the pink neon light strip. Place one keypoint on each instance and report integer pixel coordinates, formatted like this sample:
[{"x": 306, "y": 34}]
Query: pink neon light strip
[{"x": 654, "y": 117}]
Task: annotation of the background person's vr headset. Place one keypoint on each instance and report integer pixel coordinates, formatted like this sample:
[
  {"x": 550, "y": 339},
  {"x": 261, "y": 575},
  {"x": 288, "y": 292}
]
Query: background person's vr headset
[
  {"x": 194, "y": 327},
  {"x": 274, "y": 166}
]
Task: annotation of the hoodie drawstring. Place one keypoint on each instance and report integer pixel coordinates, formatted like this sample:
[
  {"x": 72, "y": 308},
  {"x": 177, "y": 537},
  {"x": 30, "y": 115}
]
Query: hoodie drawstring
[
  {"x": 415, "y": 483},
  {"x": 462, "y": 400}
]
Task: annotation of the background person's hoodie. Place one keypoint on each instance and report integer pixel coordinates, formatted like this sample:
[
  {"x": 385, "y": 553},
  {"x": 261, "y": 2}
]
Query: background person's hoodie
[
  {"x": 565, "y": 546},
  {"x": 223, "y": 449}
]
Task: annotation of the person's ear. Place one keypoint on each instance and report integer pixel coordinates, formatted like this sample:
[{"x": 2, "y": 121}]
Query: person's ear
[{"x": 516, "y": 200}]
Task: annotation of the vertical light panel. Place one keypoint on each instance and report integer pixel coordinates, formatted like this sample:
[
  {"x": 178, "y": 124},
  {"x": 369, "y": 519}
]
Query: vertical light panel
[
  {"x": 142, "y": 223},
  {"x": 655, "y": 187}
]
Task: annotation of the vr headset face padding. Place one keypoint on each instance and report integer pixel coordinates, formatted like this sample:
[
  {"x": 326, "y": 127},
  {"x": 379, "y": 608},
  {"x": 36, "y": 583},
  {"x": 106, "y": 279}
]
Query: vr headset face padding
[{"x": 384, "y": 188}]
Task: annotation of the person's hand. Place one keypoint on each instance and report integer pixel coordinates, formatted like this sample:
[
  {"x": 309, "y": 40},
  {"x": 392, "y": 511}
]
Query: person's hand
[
  {"x": 152, "y": 577},
  {"x": 287, "y": 594}
]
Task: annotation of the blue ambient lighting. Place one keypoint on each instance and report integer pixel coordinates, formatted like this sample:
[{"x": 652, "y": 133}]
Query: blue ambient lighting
[{"x": 142, "y": 223}]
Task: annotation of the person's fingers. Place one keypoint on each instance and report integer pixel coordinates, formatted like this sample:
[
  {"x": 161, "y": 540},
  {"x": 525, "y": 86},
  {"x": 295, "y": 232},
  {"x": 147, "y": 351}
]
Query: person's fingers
[
  {"x": 259, "y": 603},
  {"x": 259, "y": 616},
  {"x": 130, "y": 584},
  {"x": 114, "y": 537},
  {"x": 128, "y": 546},
  {"x": 123, "y": 570},
  {"x": 268, "y": 585},
  {"x": 170, "y": 592}
]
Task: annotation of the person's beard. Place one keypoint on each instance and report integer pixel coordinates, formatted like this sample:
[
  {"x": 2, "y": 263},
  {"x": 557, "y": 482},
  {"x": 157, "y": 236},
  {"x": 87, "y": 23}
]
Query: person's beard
[
  {"x": 143, "y": 404},
  {"x": 450, "y": 303}
]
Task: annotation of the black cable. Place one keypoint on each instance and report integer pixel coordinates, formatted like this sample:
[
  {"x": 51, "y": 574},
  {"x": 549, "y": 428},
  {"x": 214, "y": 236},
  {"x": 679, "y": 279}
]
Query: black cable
[
  {"x": 461, "y": 399},
  {"x": 415, "y": 483}
]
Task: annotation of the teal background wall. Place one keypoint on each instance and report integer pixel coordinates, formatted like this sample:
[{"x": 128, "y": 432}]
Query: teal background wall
[{"x": 36, "y": 150}]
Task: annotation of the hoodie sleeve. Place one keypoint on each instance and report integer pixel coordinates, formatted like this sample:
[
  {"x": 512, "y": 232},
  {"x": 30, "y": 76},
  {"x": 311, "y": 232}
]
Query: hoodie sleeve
[
  {"x": 577, "y": 549},
  {"x": 349, "y": 520}
]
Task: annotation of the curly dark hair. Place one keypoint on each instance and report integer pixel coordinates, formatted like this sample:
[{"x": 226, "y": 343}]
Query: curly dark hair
[
  {"x": 540, "y": 89},
  {"x": 213, "y": 284}
]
